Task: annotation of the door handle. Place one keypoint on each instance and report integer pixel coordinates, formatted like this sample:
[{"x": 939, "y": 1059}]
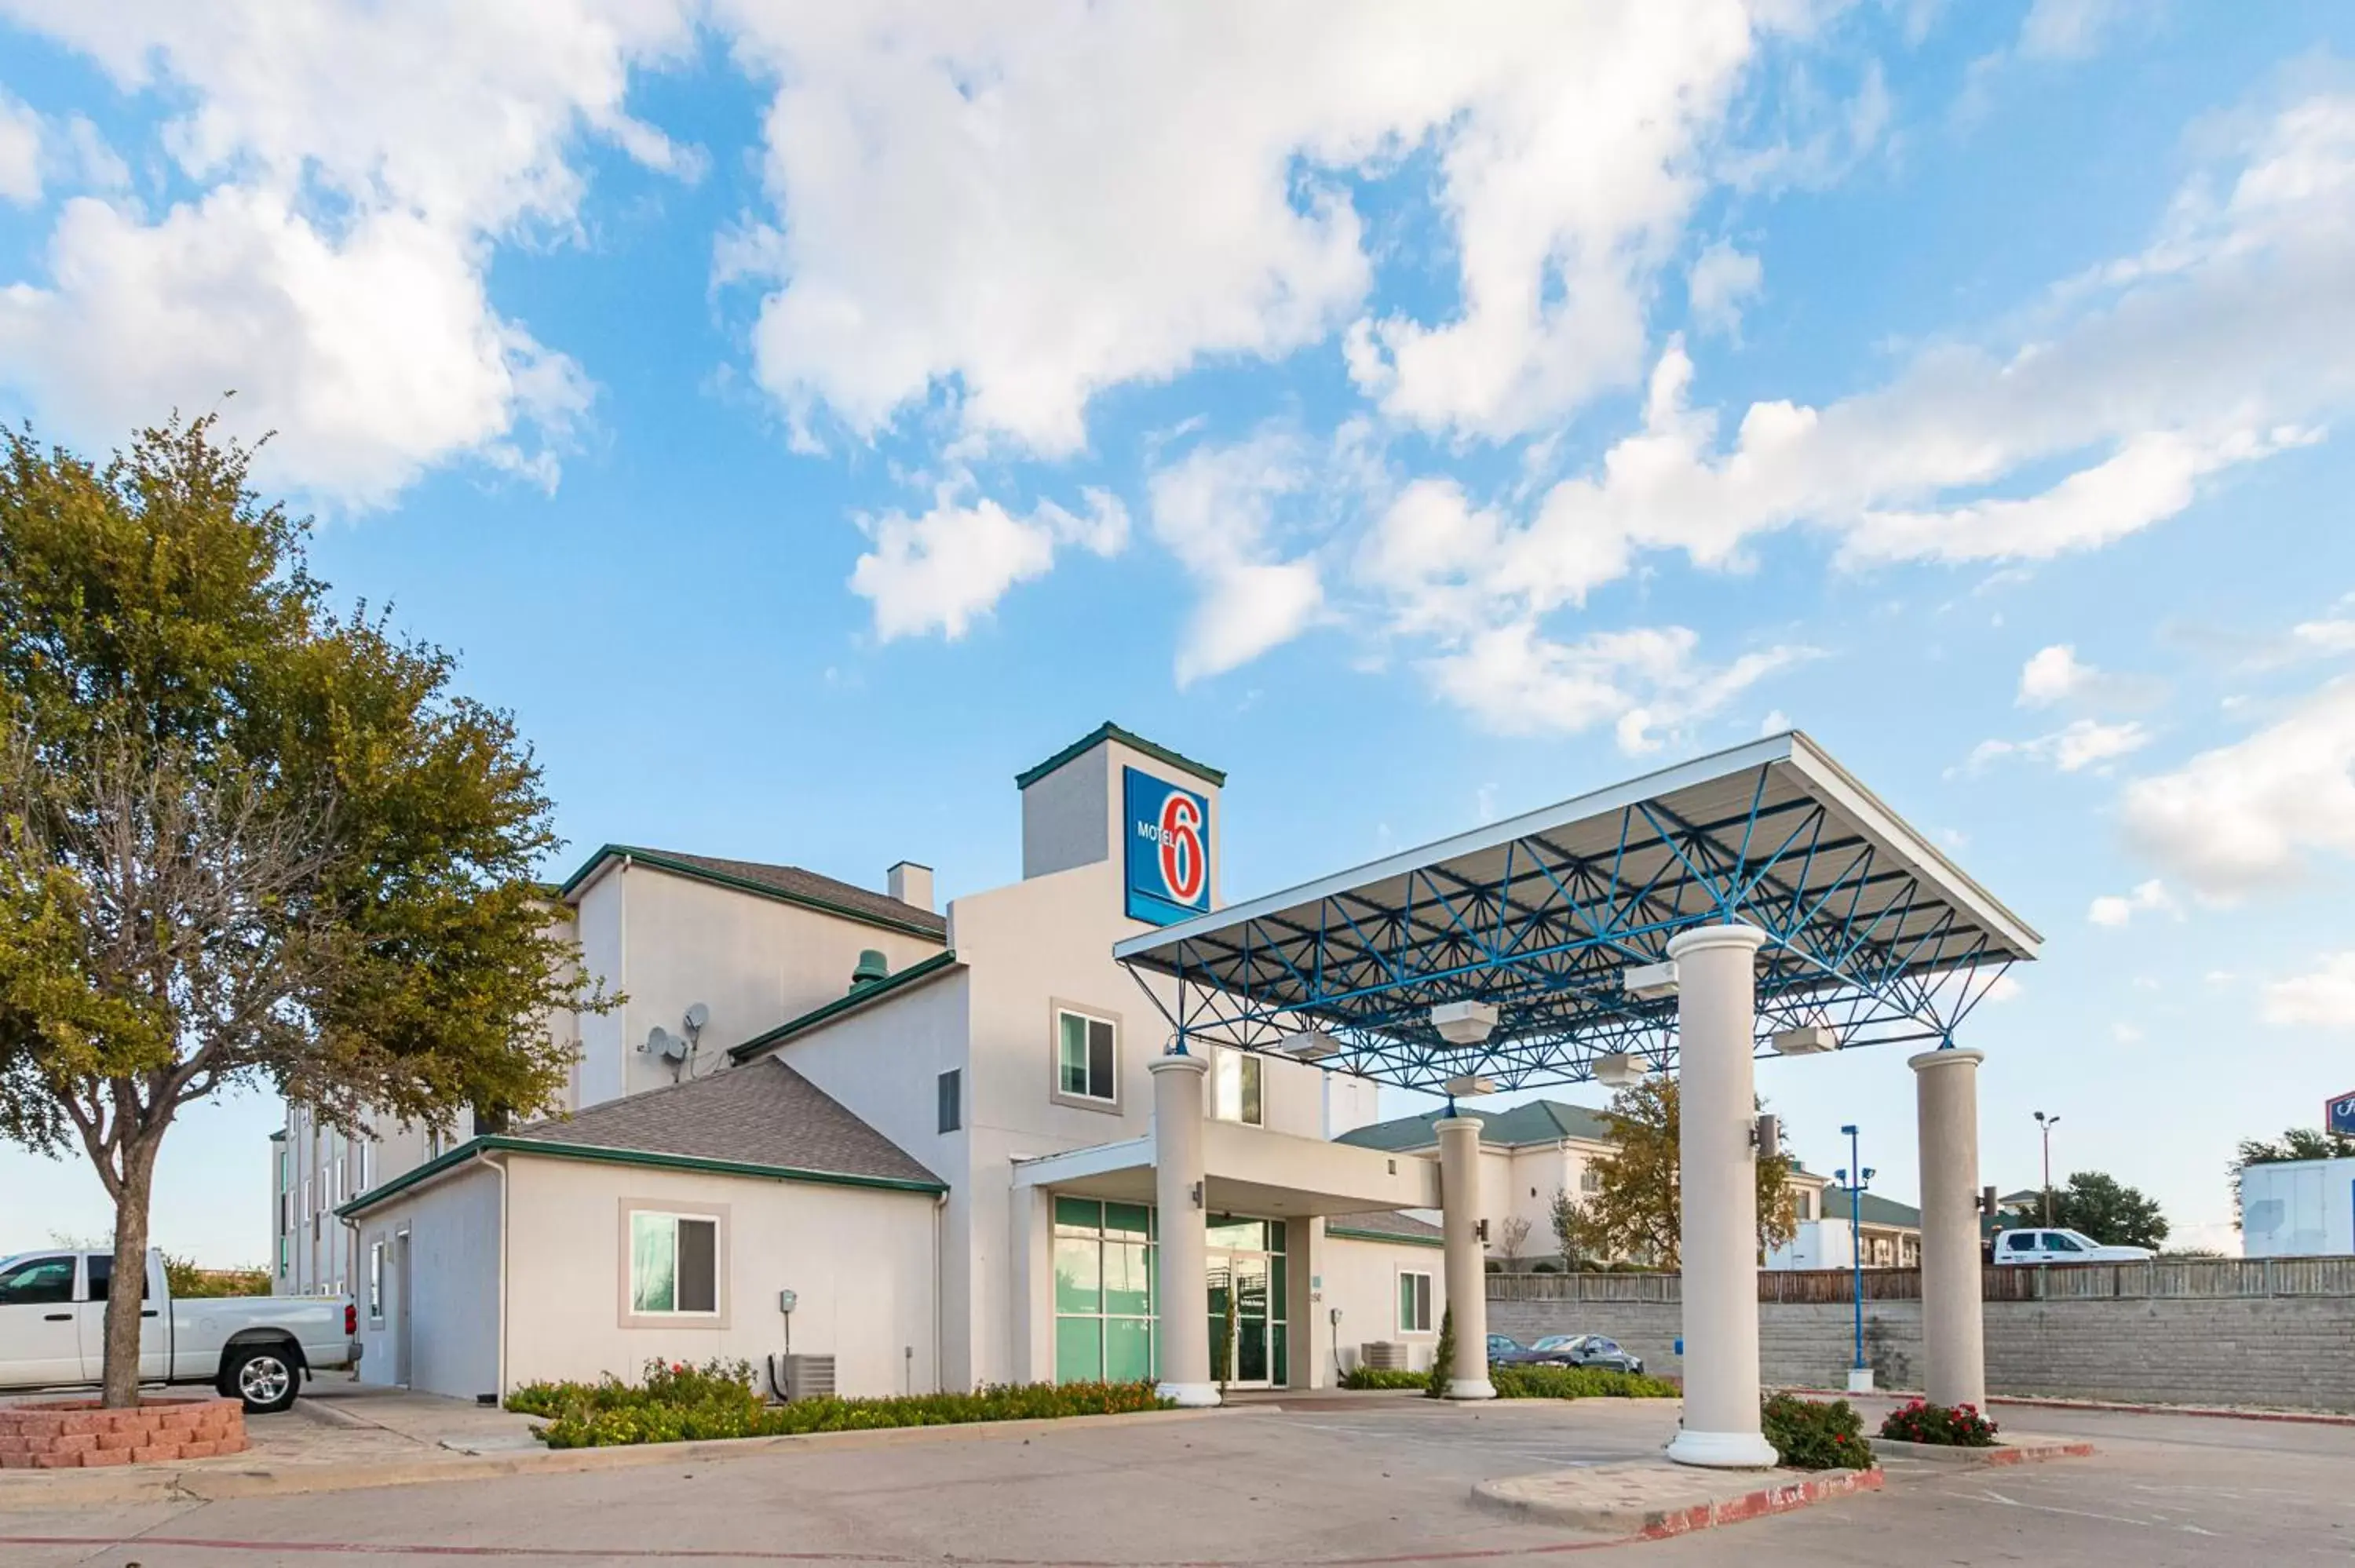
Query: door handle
[
  {"x": 149, "y": 1313},
  {"x": 57, "y": 1317}
]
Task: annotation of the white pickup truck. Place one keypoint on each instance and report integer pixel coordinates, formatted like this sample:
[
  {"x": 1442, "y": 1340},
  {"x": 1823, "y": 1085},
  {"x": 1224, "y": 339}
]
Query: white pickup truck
[
  {"x": 2062, "y": 1246},
  {"x": 257, "y": 1348}
]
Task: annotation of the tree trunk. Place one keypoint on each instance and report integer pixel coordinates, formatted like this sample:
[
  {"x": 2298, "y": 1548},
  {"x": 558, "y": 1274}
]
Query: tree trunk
[{"x": 126, "y": 1292}]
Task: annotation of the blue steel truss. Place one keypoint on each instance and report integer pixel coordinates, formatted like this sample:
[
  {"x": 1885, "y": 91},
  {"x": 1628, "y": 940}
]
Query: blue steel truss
[{"x": 1859, "y": 940}]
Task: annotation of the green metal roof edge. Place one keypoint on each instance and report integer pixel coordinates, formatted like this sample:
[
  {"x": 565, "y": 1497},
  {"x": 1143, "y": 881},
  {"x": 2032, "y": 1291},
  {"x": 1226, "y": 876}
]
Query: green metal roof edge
[
  {"x": 500, "y": 1144},
  {"x": 1355, "y": 1234},
  {"x": 922, "y": 968},
  {"x": 662, "y": 862},
  {"x": 1135, "y": 741}
]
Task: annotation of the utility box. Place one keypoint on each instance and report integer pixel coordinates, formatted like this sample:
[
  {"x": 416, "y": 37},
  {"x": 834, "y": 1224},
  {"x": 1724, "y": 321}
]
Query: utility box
[{"x": 2298, "y": 1208}]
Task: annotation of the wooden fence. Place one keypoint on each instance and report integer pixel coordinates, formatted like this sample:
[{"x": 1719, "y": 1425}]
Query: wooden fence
[{"x": 2174, "y": 1279}]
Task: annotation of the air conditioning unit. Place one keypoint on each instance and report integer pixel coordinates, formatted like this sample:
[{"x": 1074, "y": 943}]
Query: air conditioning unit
[
  {"x": 1805, "y": 1040},
  {"x": 1382, "y": 1355},
  {"x": 805, "y": 1377},
  {"x": 1648, "y": 982}
]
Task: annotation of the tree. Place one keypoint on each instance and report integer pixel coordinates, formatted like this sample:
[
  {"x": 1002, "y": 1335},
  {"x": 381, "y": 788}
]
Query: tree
[
  {"x": 244, "y": 840},
  {"x": 2297, "y": 1143},
  {"x": 1567, "y": 1221},
  {"x": 2098, "y": 1205},
  {"x": 1512, "y": 1237},
  {"x": 1637, "y": 1212}
]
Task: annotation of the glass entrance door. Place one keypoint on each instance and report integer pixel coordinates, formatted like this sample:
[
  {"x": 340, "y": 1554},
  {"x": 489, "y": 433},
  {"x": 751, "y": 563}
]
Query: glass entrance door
[{"x": 1246, "y": 1300}]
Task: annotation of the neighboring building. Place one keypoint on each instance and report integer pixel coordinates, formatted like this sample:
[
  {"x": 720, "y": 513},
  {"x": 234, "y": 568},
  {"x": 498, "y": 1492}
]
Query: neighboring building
[
  {"x": 2297, "y": 1208},
  {"x": 946, "y": 1158},
  {"x": 1887, "y": 1233},
  {"x": 1529, "y": 1153}
]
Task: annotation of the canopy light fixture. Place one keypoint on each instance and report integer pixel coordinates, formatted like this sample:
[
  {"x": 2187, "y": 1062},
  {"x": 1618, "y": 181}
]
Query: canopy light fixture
[
  {"x": 1807, "y": 1040},
  {"x": 1465, "y": 1023},
  {"x": 1309, "y": 1046},
  {"x": 1470, "y": 1085},
  {"x": 1648, "y": 982},
  {"x": 1619, "y": 1070}
]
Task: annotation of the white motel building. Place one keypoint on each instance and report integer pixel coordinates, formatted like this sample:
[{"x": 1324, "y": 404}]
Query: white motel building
[{"x": 932, "y": 1132}]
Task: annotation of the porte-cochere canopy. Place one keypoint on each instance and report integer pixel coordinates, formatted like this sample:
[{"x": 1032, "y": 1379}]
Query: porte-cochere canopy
[{"x": 1871, "y": 933}]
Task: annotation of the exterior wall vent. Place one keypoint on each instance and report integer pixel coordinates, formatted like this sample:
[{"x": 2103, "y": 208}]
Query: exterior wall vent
[{"x": 872, "y": 968}]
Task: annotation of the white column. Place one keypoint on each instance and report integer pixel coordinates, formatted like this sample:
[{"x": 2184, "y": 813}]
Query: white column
[
  {"x": 1946, "y": 1099},
  {"x": 1468, "y": 1282},
  {"x": 1184, "y": 1312},
  {"x": 1716, "y": 1006}
]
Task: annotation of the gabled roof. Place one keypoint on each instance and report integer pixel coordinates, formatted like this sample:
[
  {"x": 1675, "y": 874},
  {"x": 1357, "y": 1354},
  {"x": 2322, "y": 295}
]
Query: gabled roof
[
  {"x": 940, "y": 963},
  {"x": 1135, "y": 741},
  {"x": 1533, "y": 1121},
  {"x": 763, "y": 1119},
  {"x": 787, "y": 883},
  {"x": 1874, "y": 1211},
  {"x": 1384, "y": 1224}
]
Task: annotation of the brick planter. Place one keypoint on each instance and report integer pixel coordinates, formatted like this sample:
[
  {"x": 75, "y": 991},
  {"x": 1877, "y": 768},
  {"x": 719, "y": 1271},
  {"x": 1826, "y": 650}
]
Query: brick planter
[{"x": 74, "y": 1434}]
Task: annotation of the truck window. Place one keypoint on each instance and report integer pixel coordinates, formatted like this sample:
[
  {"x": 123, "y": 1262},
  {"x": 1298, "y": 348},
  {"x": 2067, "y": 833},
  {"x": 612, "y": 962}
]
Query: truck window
[
  {"x": 2055, "y": 1242},
  {"x": 2020, "y": 1241},
  {"x": 101, "y": 1275},
  {"x": 37, "y": 1282}
]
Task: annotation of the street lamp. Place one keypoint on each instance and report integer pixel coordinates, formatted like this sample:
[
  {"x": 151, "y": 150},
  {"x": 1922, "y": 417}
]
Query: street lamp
[
  {"x": 2048, "y": 1123},
  {"x": 1860, "y": 1376}
]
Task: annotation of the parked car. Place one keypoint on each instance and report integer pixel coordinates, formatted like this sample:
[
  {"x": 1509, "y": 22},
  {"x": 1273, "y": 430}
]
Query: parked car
[
  {"x": 1505, "y": 1348},
  {"x": 1580, "y": 1351},
  {"x": 2062, "y": 1246},
  {"x": 254, "y": 1348}
]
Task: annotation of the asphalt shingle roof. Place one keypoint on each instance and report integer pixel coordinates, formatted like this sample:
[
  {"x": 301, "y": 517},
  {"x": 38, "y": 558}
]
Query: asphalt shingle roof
[
  {"x": 1534, "y": 1121},
  {"x": 762, "y": 1113},
  {"x": 1387, "y": 1223},
  {"x": 788, "y": 882}
]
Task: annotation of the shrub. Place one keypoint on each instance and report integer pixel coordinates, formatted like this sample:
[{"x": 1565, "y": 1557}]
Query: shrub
[
  {"x": 1809, "y": 1435},
  {"x": 1443, "y": 1357},
  {"x": 1384, "y": 1377},
  {"x": 1542, "y": 1381},
  {"x": 1544, "y": 1268},
  {"x": 1954, "y": 1425},
  {"x": 713, "y": 1402}
]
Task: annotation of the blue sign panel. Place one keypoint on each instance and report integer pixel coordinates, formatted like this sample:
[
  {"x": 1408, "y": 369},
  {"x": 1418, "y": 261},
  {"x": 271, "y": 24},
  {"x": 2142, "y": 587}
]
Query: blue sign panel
[
  {"x": 1168, "y": 831},
  {"x": 2340, "y": 1115}
]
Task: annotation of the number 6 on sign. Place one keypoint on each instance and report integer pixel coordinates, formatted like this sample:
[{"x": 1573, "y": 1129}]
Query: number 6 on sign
[{"x": 1168, "y": 853}]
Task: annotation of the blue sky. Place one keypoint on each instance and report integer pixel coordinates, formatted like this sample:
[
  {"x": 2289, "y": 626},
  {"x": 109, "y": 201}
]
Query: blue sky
[{"x": 804, "y": 421}]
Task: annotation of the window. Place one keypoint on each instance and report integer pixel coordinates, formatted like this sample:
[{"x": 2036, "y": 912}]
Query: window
[
  {"x": 285, "y": 1169},
  {"x": 2055, "y": 1241},
  {"x": 2020, "y": 1241},
  {"x": 102, "y": 1276},
  {"x": 1414, "y": 1303},
  {"x": 308, "y": 1207},
  {"x": 952, "y": 1099},
  {"x": 375, "y": 1282},
  {"x": 286, "y": 1256},
  {"x": 38, "y": 1282},
  {"x": 674, "y": 1264},
  {"x": 1235, "y": 1095},
  {"x": 1103, "y": 1291},
  {"x": 1590, "y": 1179},
  {"x": 1802, "y": 1204},
  {"x": 1086, "y": 1058}
]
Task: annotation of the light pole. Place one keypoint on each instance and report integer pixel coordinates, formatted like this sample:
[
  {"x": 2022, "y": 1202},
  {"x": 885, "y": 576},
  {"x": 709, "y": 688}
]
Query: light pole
[
  {"x": 1859, "y": 1377},
  {"x": 2048, "y": 1123}
]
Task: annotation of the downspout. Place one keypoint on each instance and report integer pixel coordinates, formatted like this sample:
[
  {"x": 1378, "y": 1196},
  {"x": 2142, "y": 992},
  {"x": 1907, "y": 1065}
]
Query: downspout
[
  {"x": 483, "y": 1157},
  {"x": 939, "y": 1295},
  {"x": 622, "y": 979}
]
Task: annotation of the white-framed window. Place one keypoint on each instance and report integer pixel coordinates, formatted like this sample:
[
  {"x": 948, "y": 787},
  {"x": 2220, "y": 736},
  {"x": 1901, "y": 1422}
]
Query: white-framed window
[
  {"x": 1235, "y": 1093},
  {"x": 1802, "y": 1204},
  {"x": 375, "y": 1282},
  {"x": 1087, "y": 1057},
  {"x": 1590, "y": 1179},
  {"x": 1414, "y": 1302},
  {"x": 674, "y": 1264}
]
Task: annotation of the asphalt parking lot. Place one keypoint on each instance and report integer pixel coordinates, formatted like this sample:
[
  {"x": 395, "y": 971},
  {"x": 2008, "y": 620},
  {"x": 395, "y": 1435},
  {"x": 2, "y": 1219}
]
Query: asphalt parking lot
[{"x": 1365, "y": 1483}]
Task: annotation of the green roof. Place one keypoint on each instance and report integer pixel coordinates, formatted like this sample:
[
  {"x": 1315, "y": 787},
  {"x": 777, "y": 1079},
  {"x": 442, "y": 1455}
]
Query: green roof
[
  {"x": 1533, "y": 1121},
  {"x": 1874, "y": 1211},
  {"x": 939, "y": 964},
  {"x": 1135, "y": 741}
]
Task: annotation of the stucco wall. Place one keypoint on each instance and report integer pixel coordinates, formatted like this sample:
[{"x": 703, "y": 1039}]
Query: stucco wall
[
  {"x": 858, "y": 1259},
  {"x": 453, "y": 1278},
  {"x": 1361, "y": 1279}
]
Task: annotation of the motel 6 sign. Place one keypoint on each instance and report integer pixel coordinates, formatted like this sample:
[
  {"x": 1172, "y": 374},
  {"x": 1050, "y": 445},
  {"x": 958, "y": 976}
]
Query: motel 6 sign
[
  {"x": 2339, "y": 1115},
  {"x": 1168, "y": 831}
]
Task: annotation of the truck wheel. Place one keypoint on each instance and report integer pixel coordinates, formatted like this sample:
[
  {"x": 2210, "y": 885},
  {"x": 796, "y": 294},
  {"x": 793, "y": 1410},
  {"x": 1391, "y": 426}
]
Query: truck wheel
[{"x": 265, "y": 1378}]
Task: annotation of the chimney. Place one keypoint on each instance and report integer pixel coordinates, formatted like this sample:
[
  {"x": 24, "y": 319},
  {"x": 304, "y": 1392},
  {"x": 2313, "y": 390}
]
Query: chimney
[{"x": 912, "y": 884}]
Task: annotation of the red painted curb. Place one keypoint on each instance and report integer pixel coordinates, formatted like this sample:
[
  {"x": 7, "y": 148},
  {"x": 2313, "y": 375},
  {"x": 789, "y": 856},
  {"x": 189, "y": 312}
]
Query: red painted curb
[{"x": 1761, "y": 1503}]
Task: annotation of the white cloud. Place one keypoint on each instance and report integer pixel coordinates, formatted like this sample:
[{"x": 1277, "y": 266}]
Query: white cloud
[
  {"x": 1721, "y": 282},
  {"x": 1215, "y": 510},
  {"x": 20, "y": 152},
  {"x": 352, "y": 175},
  {"x": 2079, "y": 744},
  {"x": 2052, "y": 676},
  {"x": 2322, "y": 997},
  {"x": 2257, "y": 812},
  {"x": 2147, "y": 898},
  {"x": 2127, "y": 1033},
  {"x": 1775, "y": 722},
  {"x": 1645, "y": 683},
  {"x": 1059, "y": 205},
  {"x": 939, "y": 571},
  {"x": 2068, "y": 30}
]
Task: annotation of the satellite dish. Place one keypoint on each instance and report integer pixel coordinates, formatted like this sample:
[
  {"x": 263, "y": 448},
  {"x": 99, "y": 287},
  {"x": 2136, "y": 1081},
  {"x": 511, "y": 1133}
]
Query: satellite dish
[
  {"x": 697, "y": 1017},
  {"x": 662, "y": 1043}
]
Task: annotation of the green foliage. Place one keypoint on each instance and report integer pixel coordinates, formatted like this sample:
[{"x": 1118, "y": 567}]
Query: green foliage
[
  {"x": 1638, "y": 1212},
  {"x": 1384, "y": 1377},
  {"x": 1542, "y": 1381},
  {"x": 1443, "y": 1356},
  {"x": 1950, "y": 1425},
  {"x": 1811, "y": 1435},
  {"x": 675, "y": 1403},
  {"x": 1544, "y": 1268},
  {"x": 2297, "y": 1143},
  {"x": 2098, "y": 1205},
  {"x": 189, "y": 1282}
]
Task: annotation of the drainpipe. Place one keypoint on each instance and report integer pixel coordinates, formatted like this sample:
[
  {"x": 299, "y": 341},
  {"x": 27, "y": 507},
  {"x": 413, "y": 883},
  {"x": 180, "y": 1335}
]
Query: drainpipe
[
  {"x": 939, "y": 1295},
  {"x": 481, "y": 1157}
]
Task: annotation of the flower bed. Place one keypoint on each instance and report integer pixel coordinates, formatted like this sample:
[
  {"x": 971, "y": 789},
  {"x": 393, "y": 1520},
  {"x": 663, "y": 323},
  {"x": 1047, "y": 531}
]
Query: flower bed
[
  {"x": 676, "y": 1402},
  {"x": 1809, "y": 1434},
  {"x": 79, "y": 1434},
  {"x": 1532, "y": 1383},
  {"x": 1944, "y": 1425},
  {"x": 1383, "y": 1377}
]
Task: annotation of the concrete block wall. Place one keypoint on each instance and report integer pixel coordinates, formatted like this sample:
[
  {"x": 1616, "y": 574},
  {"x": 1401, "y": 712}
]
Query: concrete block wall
[{"x": 2292, "y": 1352}]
